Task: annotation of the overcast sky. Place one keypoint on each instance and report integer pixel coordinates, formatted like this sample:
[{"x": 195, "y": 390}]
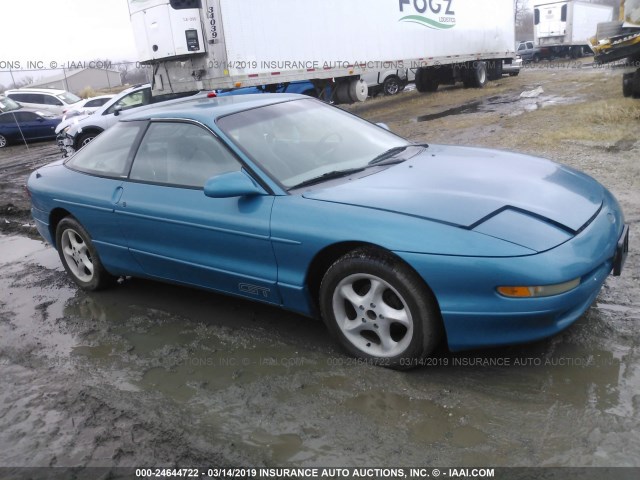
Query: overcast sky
[{"x": 62, "y": 31}]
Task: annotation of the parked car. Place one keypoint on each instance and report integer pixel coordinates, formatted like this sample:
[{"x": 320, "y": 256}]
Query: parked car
[
  {"x": 286, "y": 200},
  {"x": 512, "y": 69},
  {"x": 73, "y": 135},
  {"x": 6, "y": 104},
  {"x": 23, "y": 124},
  {"x": 529, "y": 52},
  {"x": 87, "y": 106},
  {"x": 389, "y": 82},
  {"x": 48, "y": 99}
]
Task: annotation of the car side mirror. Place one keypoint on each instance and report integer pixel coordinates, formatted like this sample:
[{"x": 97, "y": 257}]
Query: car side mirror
[
  {"x": 232, "y": 184},
  {"x": 117, "y": 109},
  {"x": 384, "y": 125}
]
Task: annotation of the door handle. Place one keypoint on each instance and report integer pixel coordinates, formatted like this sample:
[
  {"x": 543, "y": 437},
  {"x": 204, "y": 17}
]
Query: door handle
[{"x": 117, "y": 195}]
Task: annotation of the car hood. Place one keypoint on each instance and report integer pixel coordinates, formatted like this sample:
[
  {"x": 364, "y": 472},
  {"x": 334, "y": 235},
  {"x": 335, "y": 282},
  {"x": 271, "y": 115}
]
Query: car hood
[{"x": 466, "y": 187}]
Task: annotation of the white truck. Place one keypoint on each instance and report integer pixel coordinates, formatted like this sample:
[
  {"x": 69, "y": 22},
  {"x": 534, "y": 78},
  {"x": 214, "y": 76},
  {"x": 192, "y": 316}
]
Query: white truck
[
  {"x": 564, "y": 28},
  {"x": 222, "y": 44}
]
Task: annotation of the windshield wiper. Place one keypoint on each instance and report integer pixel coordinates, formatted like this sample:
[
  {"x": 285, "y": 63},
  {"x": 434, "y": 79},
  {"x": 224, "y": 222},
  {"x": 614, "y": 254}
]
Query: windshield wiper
[
  {"x": 387, "y": 158},
  {"x": 328, "y": 176}
]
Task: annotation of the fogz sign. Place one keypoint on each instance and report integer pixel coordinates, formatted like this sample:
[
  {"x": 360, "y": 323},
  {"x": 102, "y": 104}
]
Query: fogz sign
[{"x": 435, "y": 14}]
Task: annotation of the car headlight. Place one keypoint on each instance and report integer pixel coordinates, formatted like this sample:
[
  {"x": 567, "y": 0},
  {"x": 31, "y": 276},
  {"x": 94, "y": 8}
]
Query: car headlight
[{"x": 535, "y": 292}]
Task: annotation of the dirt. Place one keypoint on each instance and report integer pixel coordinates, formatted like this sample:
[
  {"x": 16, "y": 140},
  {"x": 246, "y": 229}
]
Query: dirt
[{"x": 148, "y": 374}]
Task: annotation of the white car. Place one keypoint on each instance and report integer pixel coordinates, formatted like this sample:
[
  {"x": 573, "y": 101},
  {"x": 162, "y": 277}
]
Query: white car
[
  {"x": 48, "y": 99},
  {"x": 87, "y": 106},
  {"x": 76, "y": 132}
]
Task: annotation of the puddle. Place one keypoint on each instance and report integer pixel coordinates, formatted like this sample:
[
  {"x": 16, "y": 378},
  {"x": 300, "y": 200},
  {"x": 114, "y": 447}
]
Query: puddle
[
  {"x": 147, "y": 373},
  {"x": 509, "y": 104}
]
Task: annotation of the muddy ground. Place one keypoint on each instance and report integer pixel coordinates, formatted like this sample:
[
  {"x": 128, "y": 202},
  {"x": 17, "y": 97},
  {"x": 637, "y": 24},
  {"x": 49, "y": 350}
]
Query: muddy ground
[{"x": 149, "y": 374}]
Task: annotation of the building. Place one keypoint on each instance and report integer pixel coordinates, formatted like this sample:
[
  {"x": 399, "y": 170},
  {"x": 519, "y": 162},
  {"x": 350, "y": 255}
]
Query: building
[{"x": 77, "y": 80}]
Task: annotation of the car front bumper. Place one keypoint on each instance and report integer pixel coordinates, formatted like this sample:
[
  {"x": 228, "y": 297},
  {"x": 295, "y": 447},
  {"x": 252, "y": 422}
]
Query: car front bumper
[
  {"x": 65, "y": 143},
  {"x": 475, "y": 315}
]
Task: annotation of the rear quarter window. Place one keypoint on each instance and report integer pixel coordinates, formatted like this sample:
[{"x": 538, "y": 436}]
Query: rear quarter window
[{"x": 109, "y": 155}]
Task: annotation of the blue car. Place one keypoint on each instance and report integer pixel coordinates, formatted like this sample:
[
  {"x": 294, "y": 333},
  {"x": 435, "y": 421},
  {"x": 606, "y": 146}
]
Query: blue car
[
  {"x": 23, "y": 124},
  {"x": 285, "y": 200}
]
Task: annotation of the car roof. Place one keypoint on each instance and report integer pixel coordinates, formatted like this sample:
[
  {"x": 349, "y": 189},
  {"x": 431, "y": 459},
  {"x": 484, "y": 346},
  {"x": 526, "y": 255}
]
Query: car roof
[
  {"x": 53, "y": 91},
  {"x": 204, "y": 109}
]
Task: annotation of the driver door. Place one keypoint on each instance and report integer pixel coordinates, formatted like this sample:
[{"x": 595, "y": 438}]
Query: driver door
[{"x": 177, "y": 233}]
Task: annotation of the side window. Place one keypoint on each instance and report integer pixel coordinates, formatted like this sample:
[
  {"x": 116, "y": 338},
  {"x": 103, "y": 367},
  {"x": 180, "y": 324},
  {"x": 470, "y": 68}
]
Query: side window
[
  {"x": 109, "y": 153},
  {"x": 34, "y": 98},
  {"x": 133, "y": 100},
  {"x": 26, "y": 116},
  {"x": 18, "y": 97},
  {"x": 530, "y": 45},
  {"x": 536, "y": 15},
  {"x": 181, "y": 154},
  {"x": 51, "y": 100},
  {"x": 522, "y": 47},
  {"x": 96, "y": 103},
  {"x": 563, "y": 14}
]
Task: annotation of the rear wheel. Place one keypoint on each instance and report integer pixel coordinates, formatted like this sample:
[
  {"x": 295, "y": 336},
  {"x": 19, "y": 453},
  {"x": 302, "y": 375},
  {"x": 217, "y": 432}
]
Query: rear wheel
[
  {"x": 636, "y": 84},
  {"x": 3, "y": 141},
  {"x": 79, "y": 256},
  {"x": 627, "y": 84},
  {"x": 379, "y": 309},
  {"x": 475, "y": 75},
  {"x": 426, "y": 81}
]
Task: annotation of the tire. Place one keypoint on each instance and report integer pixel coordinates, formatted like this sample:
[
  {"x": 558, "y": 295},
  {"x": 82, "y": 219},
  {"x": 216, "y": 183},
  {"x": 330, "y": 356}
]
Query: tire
[
  {"x": 514, "y": 74},
  {"x": 636, "y": 84},
  {"x": 494, "y": 71},
  {"x": 85, "y": 139},
  {"x": 425, "y": 81},
  {"x": 3, "y": 141},
  {"x": 536, "y": 58},
  {"x": 79, "y": 256},
  {"x": 475, "y": 75},
  {"x": 357, "y": 295},
  {"x": 627, "y": 84},
  {"x": 391, "y": 86}
]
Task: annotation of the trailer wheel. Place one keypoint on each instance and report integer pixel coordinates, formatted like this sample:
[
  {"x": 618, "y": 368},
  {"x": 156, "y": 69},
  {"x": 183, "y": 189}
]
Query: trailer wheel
[
  {"x": 627, "y": 84},
  {"x": 636, "y": 84},
  {"x": 475, "y": 75},
  {"x": 425, "y": 81},
  {"x": 495, "y": 69},
  {"x": 358, "y": 90}
]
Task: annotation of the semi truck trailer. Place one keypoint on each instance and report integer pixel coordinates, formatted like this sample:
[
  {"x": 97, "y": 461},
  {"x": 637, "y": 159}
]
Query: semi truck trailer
[
  {"x": 223, "y": 44},
  {"x": 564, "y": 28}
]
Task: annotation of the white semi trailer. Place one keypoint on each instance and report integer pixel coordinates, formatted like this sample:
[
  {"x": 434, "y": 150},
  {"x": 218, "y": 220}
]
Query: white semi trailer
[
  {"x": 563, "y": 28},
  {"x": 219, "y": 44}
]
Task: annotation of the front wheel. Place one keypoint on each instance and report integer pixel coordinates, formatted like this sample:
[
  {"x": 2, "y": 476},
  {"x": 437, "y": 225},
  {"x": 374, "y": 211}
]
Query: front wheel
[
  {"x": 85, "y": 139},
  {"x": 3, "y": 141},
  {"x": 79, "y": 256},
  {"x": 379, "y": 309},
  {"x": 391, "y": 85}
]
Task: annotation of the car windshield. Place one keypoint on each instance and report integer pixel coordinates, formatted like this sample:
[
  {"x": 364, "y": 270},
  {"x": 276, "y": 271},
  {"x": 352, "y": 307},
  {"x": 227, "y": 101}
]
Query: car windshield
[
  {"x": 7, "y": 105},
  {"x": 69, "y": 98},
  {"x": 299, "y": 141}
]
